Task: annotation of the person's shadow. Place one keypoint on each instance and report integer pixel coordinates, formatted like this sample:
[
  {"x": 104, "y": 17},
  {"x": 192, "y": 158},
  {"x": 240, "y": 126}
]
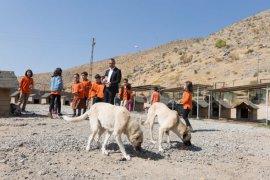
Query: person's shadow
[
  {"x": 27, "y": 115},
  {"x": 144, "y": 153}
]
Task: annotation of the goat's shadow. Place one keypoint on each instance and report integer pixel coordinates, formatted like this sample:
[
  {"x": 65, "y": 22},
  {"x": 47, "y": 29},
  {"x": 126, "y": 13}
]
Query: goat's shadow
[
  {"x": 205, "y": 130},
  {"x": 144, "y": 153}
]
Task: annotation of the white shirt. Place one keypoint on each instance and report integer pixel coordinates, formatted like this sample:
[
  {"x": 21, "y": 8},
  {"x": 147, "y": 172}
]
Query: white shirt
[{"x": 110, "y": 74}]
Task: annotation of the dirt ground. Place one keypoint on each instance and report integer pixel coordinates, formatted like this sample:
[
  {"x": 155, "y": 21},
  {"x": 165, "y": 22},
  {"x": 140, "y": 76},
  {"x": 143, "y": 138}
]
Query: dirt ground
[{"x": 36, "y": 147}]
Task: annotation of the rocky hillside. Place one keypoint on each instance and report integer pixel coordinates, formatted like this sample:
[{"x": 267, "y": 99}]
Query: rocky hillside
[{"x": 230, "y": 55}]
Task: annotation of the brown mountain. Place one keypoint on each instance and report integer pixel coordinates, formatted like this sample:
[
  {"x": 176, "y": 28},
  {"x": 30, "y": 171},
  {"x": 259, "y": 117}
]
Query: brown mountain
[{"x": 230, "y": 55}]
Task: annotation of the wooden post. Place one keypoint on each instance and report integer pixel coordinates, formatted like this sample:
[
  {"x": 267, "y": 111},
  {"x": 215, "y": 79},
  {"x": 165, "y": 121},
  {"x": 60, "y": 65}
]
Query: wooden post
[
  {"x": 219, "y": 106},
  {"x": 211, "y": 104},
  {"x": 198, "y": 90},
  {"x": 209, "y": 107},
  {"x": 134, "y": 103}
]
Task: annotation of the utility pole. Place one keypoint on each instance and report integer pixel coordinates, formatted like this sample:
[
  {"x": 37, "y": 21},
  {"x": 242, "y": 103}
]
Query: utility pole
[{"x": 92, "y": 58}]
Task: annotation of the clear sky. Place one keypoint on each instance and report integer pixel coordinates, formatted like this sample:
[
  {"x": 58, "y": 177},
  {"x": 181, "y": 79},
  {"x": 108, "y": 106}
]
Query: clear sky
[{"x": 45, "y": 34}]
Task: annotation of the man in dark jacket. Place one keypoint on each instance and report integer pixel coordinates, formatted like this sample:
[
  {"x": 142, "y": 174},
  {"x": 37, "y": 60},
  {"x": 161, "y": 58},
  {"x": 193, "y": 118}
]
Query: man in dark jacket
[{"x": 112, "y": 79}]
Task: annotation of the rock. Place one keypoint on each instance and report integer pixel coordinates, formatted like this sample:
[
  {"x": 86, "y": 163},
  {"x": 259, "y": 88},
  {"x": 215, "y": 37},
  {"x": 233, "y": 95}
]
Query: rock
[
  {"x": 41, "y": 173},
  {"x": 4, "y": 161}
]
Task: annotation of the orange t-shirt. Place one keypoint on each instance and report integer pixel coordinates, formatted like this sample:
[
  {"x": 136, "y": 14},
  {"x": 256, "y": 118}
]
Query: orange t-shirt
[
  {"x": 132, "y": 94},
  {"x": 125, "y": 93},
  {"x": 155, "y": 97},
  {"x": 187, "y": 100},
  {"x": 56, "y": 92},
  {"x": 86, "y": 87},
  {"x": 77, "y": 90},
  {"x": 26, "y": 85},
  {"x": 96, "y": 90}
]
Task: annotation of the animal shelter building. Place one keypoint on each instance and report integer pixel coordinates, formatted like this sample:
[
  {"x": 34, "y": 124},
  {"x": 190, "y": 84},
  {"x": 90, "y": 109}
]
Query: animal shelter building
[{"x": 8, "y": 82}]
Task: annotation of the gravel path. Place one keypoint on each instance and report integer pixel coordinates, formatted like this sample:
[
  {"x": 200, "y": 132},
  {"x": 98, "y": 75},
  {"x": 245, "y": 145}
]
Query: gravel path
[{"x": 36, "y": 147}]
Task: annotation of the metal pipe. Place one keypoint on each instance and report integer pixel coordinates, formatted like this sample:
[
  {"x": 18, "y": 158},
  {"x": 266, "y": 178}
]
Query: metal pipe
[
  {"x": 267, "y": 99},
  {"x": 209, "y": 106},
  {"x": 219, "y": 106},
  {"x": 198, "y": 90}
]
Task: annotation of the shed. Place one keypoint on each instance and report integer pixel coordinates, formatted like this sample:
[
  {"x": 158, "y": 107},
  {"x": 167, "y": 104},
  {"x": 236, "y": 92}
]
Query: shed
[
  {"x": 8, "y": 81},
  {"x": 45, "y": 98},
  {"x": 203, "y": 108},
  {"x": 65, "y": 100},
  {"x": 34, "y": 99},
  {"x": 221, "y": 109},
  {"x": 15, "y": 97},
  {"x": 138, "y": 103},
  {"x": 246, "y": 110}
]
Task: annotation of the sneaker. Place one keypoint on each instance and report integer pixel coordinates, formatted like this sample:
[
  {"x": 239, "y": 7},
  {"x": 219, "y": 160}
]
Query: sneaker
[
  {"x": 50, "y": 115},
  {"x": 73, "y": 115},
  {"x": 60, "y": 114}
]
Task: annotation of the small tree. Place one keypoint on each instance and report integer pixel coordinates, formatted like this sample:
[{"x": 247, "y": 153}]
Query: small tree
[{"x": 220, "y": 43}]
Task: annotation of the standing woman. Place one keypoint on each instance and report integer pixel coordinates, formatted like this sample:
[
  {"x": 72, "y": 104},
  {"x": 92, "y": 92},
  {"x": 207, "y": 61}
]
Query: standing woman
[
  {"x": 187, "y": 102},
  {"x": 26, "y": 86},
  {"x": 56, "y": 89},
  {"x": 155, "y": 96}
]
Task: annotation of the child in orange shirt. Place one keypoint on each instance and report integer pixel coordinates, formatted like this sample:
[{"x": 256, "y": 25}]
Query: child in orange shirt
[
  {"x": 78, "y": 99},
  {"x": 155, "y": 96},
  {"x": 86, "y": 87},
  {"x": 97, "y": 90},
  {"x": 25, "y": 87},
  {"x": 130, "y": 97},
  {"x": 123, "y": 93},
  {"x": 187, "y": 102}
]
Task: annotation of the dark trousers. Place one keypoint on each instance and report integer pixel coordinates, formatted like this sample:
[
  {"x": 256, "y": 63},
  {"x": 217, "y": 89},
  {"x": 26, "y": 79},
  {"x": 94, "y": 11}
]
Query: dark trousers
[
  {"x": 85, "y": 104},
  {"x": 97, "y": 100},
  {"x": 185, "y": 116},
  {"x": 55, "y": 102},
  {"x": 23, "y": 100},
  {"x": 109, "y": 96}
]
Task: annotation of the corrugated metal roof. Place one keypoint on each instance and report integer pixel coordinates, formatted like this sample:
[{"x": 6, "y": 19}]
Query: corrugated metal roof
[
  {"x": 239, "y": 88},
  {"x": 201, "y": 103},
  {"x": 248, "y": 103},
  {"x": 225, "y": 104},
  {"x": 15, "y": 93},
  {"x": 147, "y": 87},
  {"x": 195, "y": 87},
  {"x": 8, "y": 79},
  {"x": 32, "y": 95},
  {"x": 46, "y": 95}
]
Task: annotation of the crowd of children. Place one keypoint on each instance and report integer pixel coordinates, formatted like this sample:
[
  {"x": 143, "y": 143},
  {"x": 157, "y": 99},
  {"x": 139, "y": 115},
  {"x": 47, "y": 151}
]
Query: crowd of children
[{"x": 85, "y": 93}]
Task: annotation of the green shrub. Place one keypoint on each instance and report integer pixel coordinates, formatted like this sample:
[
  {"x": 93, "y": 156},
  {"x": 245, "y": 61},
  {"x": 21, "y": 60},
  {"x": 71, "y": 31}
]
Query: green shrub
[
  {"x": 129, "y": 76},
  {"x": 220, "y": 43},
  {"x": 163, "y": 55},
  {"x": 249, "y": 51}
]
